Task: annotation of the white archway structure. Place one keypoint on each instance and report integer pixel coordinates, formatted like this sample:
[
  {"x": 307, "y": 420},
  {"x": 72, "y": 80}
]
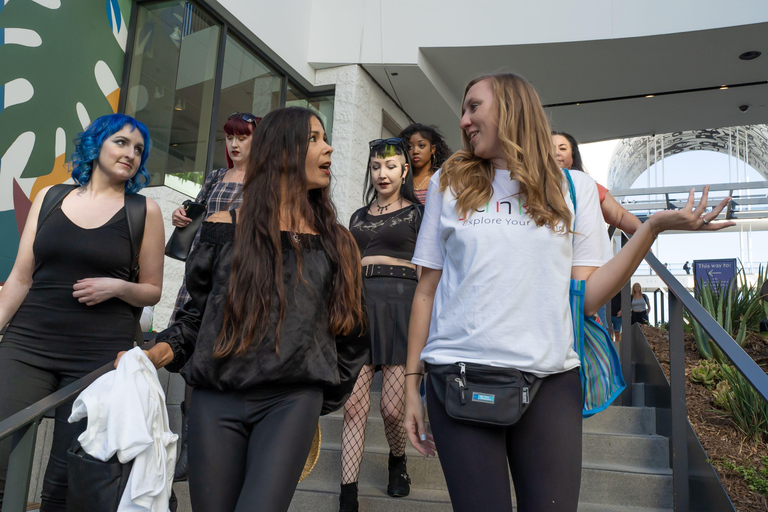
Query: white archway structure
[{"x": 633, "y": 156}]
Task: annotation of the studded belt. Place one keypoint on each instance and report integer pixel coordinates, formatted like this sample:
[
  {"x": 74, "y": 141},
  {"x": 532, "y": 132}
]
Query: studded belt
[{"x": 389, "y": 271}]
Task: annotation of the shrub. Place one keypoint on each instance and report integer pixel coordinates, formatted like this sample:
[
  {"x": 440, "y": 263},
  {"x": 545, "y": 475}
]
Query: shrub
[{"x": 747, "y": 409}]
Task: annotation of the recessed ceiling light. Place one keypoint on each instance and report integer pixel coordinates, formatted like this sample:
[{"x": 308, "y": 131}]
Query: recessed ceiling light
[
  {"x": 649, "y": 96},
  {"x": 722, "y": 87},
  {"x": 750, "y": 55}
]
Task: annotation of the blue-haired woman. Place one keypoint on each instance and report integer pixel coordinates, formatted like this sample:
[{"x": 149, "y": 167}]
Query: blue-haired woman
[{"x": 69, "y": 299}]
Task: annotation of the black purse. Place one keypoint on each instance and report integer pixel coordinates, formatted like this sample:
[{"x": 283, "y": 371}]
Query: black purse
[
  {"x": 92, "y": 484},
  {"x": 478, "y": 394},
  {"x": 180, "y": 243}
]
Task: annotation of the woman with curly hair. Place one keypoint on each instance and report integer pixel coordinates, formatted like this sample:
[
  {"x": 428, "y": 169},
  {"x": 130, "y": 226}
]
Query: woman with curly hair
[
  {"x": 271, "y": 337},
  {"x": 500, "y": 241},
  {"x": 428, "y": 151},
  {"x": 70, "y": 299}
]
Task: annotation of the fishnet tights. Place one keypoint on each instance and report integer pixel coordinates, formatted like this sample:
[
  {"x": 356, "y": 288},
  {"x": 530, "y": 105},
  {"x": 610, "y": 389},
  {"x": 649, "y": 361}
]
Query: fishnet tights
[{"x": 356, "y": 415}]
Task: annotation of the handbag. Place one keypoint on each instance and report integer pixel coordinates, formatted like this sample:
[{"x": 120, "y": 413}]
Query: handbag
[
  {"x": 479, "y": 394},
  {"x": 180, "y": 243},
  {"x": 94, "y": 485},
  {"x": 601, "y": 378}
]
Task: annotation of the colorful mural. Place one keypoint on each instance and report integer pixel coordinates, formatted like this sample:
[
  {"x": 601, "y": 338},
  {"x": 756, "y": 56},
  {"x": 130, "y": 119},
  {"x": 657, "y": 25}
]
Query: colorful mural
[{"x": 60, "y": 63}]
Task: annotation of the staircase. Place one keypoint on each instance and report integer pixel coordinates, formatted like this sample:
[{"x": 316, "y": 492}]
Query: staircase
[{"x": 625, "y": 468}]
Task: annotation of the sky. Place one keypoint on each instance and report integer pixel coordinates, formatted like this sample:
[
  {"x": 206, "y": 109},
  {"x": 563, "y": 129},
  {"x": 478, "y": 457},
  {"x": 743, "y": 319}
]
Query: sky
[{"x": 690, "y": 168}]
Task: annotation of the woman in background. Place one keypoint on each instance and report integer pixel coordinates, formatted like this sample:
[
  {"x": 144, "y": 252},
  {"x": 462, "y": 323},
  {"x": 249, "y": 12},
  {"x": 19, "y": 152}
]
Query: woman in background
[
  {"x": 428, "y": 151},
  {"x": 385, "y": 231},
  {"x": 641, "y": 306},
  {"x": 220, "y": 192}
]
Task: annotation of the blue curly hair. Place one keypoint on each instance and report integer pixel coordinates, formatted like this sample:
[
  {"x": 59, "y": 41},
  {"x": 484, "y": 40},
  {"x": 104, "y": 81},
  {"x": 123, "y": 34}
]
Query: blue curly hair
[{"x": 88, "y": 146}]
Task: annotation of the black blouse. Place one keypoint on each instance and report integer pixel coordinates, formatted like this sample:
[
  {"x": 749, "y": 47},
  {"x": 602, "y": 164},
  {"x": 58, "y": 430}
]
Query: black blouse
[
  {"x": 308, "y": 352},
  {"x": 392, "y": 234}
]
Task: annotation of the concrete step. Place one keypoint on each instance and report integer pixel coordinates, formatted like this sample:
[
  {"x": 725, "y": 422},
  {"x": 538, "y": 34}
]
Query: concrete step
[
  {"x": 324, "y": 497},
  {"x": 637, "y": 485},
  {"x": 633, "y": 446}
]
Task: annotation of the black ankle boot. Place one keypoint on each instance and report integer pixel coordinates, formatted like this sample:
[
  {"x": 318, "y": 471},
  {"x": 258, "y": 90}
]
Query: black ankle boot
[
  {"x": 348, "y": 498},
  {"x": 399, "y": 481},
  {"x": 181, "y": 473}
]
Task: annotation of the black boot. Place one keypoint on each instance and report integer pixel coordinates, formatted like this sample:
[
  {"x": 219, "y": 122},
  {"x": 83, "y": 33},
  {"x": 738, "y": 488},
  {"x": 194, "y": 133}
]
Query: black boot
[
  {"x": 181, "y": 474},
  {"x": 399, "y": 481},
  {"x": 348, "y": 498}
]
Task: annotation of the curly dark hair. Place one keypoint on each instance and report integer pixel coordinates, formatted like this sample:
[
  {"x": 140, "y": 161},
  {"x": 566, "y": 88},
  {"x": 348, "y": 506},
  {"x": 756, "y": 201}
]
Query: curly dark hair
[{"x": 442, "y": 151}]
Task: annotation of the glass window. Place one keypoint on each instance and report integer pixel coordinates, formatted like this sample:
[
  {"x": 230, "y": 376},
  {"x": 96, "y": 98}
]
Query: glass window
[
  {"x": 247, "y": 85},
  {"x": 323, "y": 105},
  {"x": 171, "y": 89}
]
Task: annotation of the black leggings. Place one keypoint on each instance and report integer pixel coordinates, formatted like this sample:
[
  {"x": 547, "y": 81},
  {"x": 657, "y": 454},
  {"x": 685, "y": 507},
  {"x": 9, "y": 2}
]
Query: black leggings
[
  {"x": 543, "y": 452},
  {"x": 247, "y": 449},
  {"x": 22, "y": 383}
]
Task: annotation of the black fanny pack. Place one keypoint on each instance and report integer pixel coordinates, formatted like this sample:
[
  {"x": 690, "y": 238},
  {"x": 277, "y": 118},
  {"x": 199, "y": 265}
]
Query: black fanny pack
[{"x": 485, "y": 395}]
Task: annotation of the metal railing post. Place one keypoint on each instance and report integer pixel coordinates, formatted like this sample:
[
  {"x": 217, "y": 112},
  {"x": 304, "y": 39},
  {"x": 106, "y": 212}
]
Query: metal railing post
[
  {"x": 679, "y": 409},
  {"x": 625, "y": 348},
  {"x": 20, "y": 469}
]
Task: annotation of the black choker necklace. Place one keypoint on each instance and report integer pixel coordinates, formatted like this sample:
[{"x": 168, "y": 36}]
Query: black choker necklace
[{"x": 384, "y": 208}]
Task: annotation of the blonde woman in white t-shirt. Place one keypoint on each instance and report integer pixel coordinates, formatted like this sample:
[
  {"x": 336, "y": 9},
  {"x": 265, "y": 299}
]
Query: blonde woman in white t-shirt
[{"x": 499, "y": 243}]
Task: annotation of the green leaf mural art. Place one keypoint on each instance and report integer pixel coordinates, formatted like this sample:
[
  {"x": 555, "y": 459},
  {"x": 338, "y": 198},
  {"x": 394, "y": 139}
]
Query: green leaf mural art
[{"x": 60, "y": 62}]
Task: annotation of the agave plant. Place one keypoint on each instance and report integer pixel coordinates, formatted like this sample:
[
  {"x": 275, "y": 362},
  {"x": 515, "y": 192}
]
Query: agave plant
[{"x": 736, "y": 306}]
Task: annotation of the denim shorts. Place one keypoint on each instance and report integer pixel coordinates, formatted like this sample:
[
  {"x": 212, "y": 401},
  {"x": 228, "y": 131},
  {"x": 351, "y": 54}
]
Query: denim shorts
[{"x": 616, "y": 322}]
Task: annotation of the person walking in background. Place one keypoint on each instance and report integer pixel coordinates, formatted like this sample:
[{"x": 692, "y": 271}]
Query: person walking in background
[
  {"x": 616, "y": 317},
  {"x": 272, "y": 336},
  {"x": 641, "y": 306},
  {"x": 220, "y": 192},
  {"x": 385, "y": 230},
  {"x": 568, "y": 156},
  {"x": 487, "y": 273},
  {"x": 71, "y": 295},
  {"x": 428, "y": 151}
]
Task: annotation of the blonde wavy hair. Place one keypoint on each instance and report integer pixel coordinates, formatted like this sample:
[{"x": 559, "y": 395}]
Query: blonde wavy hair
[{"x": 526, "y": 141}]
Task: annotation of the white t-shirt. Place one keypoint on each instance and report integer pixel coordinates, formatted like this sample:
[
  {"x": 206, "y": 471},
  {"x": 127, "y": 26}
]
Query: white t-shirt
[{"x": 503, "y": 298}]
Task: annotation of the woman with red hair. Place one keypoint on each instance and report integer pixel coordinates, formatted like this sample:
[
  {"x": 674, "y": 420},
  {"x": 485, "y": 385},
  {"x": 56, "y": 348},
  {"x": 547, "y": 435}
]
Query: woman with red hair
[{"x": 221, "y": 192}]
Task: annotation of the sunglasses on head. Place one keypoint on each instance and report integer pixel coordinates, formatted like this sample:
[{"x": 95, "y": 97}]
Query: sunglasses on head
[
  {"x": 248, "y": 118},
  {"x": 393, "y": 141}
]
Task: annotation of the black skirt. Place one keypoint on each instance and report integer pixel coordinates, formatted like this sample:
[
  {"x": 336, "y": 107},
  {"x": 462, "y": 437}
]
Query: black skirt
[{"x": 389, "y": 312}]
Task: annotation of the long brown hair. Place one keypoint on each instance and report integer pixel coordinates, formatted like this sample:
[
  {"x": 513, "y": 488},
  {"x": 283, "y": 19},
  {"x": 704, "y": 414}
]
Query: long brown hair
[
  {"x": 527, "y": 144},
  {"x": 276, "y": 167}
]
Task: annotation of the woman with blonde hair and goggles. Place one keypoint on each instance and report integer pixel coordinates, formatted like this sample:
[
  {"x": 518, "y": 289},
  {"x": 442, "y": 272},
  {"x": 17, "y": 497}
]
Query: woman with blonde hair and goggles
[{"x": 499, "y": 243}]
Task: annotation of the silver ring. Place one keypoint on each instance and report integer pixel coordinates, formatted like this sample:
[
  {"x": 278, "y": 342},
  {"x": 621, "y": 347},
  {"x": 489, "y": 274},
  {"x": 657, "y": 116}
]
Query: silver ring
[{"x": 705, "y": 221}]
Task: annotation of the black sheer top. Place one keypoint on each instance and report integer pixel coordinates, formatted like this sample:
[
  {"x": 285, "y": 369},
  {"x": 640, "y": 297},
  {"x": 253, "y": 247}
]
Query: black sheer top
[
  {"x": 392, "y": 234},
  {"x": 309, "y": 353}
]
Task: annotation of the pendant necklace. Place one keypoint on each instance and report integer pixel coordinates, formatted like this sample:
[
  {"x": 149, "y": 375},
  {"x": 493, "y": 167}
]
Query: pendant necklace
[{"x": 384, "y": 208}]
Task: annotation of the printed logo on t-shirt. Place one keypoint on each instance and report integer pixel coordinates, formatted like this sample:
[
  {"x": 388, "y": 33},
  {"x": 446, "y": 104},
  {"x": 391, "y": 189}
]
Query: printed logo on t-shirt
[{"x": 495, "y": 213}]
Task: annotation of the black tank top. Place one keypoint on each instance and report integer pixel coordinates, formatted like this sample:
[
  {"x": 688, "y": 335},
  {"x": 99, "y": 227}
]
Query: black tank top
[
  {"x": 50, "y": 318},
  {"x": 392, "y": 234}
]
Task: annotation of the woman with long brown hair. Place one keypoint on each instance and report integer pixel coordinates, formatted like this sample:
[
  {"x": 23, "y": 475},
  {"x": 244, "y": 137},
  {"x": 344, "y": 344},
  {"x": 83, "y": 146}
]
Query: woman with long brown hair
[
  {"x": 499, "y": 243},
  {"x": 271, "y": 337}
]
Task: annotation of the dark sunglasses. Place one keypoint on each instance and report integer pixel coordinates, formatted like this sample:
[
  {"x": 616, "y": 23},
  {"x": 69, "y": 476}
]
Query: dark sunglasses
[
  {"x": 394, "y": 141},
  {"x": 248, "y": 118}
]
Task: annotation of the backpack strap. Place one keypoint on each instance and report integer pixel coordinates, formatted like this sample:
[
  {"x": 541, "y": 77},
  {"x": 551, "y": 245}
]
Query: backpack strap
[
  {"x": 571, "y": 189},
  {"x": 52, "y": 200},
  {"x": 135, "y": 215}
]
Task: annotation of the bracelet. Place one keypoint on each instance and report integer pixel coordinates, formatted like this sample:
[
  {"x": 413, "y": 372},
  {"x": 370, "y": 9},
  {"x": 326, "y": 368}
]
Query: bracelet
[{"x": 415, "y": 373}]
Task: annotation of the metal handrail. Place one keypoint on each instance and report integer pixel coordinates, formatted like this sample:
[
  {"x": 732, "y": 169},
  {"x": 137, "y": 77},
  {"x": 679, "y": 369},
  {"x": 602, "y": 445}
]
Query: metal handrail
[
  {"x": 678, "y": 299},
  {"x": 23, "y": 427}
]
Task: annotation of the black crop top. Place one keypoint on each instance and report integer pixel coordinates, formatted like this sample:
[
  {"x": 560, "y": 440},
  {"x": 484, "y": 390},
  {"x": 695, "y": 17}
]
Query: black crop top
[{"x": 392, "y": 234}]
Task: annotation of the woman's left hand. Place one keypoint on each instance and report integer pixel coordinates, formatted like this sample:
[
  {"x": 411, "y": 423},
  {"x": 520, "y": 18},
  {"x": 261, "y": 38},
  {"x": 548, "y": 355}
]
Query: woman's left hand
[
  {"x": 690, "y": 218},
  {"x": 94, "y": 290}
]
